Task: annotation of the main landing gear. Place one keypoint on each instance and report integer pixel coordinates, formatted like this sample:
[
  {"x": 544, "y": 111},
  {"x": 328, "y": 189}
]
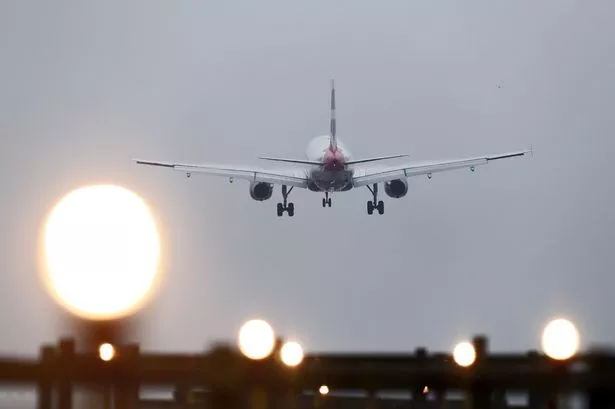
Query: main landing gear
[
  {"x": 285, "y": 206},
  {"x": 326, "y": 201},
  {"x": 375, "y": 204}
]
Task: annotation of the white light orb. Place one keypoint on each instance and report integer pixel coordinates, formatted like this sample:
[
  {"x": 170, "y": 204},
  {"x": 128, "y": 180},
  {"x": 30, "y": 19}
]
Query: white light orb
[
  {"x": 101, "y": 252},
  {"x": 256, "y": 339},
  {"x": 291, "y": 354},
  {"x": 560, "y": 339},
  {"x": 464, "y": 354},
  {"x": 323, "y": 390},
  {"x": 106, "y": 352}
]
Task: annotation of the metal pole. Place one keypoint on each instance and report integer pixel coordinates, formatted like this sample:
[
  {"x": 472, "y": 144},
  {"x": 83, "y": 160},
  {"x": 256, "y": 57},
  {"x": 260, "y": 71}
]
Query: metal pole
[
  {"x": 126, "y": 394},
  {"x": 372, "y": 400},
  {"x": 66, "y": 362},
  {"x": 44, "y": 395}
]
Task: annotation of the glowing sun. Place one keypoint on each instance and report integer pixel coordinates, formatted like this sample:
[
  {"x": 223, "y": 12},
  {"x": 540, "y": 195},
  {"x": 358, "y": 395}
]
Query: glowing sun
[{"x": 102, "y": 252}]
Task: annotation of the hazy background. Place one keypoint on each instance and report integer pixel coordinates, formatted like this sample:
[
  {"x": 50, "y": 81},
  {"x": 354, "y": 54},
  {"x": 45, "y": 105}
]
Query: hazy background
[{"x": 85, "y": 85}]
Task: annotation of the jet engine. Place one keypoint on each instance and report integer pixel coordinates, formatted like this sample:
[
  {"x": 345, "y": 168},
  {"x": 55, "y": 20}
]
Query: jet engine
[
  {"x": 396, "y": 188},
  {"x": 261, "y": 191}
]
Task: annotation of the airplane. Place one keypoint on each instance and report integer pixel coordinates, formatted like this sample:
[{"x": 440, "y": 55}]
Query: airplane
[{"x": 329, "y": 167}]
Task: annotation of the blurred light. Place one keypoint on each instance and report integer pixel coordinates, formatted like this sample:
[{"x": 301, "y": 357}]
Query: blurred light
[
  {"x": 464, "y": 354},
  {"x": 106, "y": 352},
  {"x": 425, "y": 390},
  {"x": 256, "y": 339},
  {"x": 101, "y": 252},
  {"x": 560, "y": 339},
  {"x": 323, "y": 390},
  {"x": 291, "y": 354}
]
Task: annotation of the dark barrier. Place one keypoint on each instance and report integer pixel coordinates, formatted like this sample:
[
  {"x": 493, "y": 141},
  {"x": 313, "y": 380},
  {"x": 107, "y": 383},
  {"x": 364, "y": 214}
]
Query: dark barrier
[{"x": 235, "y": 381}]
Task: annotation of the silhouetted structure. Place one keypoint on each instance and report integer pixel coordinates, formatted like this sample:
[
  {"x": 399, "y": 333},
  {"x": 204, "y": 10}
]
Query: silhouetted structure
[
  {"x": 234, "y": 381},
  {"x": 305, "y": 401}
]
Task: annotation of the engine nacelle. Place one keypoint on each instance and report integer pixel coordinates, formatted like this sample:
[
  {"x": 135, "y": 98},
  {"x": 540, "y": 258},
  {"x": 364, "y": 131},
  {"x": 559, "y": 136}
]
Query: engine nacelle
[
  {"x": 261, "y": 191},
  {"x": 396, "y": 188}
]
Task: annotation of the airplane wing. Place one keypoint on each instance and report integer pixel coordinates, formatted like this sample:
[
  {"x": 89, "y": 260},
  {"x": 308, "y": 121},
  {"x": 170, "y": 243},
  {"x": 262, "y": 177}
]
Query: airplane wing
[
  {"x": 297, "y": 177},
  {"x": 368, "y": 176}
]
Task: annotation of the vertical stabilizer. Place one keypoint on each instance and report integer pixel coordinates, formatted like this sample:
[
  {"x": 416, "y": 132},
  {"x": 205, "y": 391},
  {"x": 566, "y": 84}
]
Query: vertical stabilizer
[{"x": 333, "y": 143}]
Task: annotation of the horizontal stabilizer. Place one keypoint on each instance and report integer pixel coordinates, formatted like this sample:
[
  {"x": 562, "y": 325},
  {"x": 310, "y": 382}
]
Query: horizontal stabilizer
[
  {"x": 350, "y": 162},
  {"x": 353, "y": 162},
  {"x": 301, "y": 161}
]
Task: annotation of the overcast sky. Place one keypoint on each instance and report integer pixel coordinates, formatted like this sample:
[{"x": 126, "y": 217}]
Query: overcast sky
[{"x": 86, "y": 85}]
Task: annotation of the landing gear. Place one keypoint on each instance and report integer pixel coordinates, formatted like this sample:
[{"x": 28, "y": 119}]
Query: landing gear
[
  {"x": 375, "y": 204},
  {"x": 326, "y": 201},
  {"x": 285, "y": 205},
  {"x": 371, "y": 207}
]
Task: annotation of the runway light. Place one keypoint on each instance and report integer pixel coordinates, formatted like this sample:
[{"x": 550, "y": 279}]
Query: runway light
[
  {"x": 291, "y": 354},
  {"x": 560, "y": 339},
  {"x": 106, "y": 352},
  {"x": 100, "y": 251},
  {"x": 323, "y": 390},
  {"x": 256, "y": 339},
  {"x": 464, "y": 354}
]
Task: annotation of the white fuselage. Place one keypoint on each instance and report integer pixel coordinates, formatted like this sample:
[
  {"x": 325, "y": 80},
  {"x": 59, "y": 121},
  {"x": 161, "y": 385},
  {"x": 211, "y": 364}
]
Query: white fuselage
[
  {"x": 333, "y": 175},
  {"x": 317, "y": 147}
]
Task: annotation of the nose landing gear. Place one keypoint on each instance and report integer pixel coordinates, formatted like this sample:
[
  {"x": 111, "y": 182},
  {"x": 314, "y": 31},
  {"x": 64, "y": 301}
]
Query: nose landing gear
[{"x": 326, "y": 201}]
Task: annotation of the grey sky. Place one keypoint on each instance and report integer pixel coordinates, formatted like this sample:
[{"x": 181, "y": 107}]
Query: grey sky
[{"x": 86, "y": 85}]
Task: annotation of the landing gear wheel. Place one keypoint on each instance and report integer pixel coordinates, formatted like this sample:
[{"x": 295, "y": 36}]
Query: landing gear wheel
[
  {"x": 285, "y": 206},
  {"x": 326, "y": 201},
  {"x": 375, "y": 204},
  {"x": 370, "y": 207}
]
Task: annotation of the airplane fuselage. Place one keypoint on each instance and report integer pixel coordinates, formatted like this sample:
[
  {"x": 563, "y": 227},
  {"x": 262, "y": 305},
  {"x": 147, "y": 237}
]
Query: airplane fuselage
[{"x": 334, "y": 175}]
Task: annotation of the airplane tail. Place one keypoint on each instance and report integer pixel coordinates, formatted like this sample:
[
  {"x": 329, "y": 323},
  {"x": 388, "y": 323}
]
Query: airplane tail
[
  {"x": 333, "y": 140},
  {"x": 332, "y": 144}
]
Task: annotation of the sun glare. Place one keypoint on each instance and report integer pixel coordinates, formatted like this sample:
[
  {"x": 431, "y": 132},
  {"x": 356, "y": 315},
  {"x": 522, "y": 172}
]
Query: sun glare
[{"x": 102, "y": 252}]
